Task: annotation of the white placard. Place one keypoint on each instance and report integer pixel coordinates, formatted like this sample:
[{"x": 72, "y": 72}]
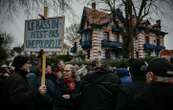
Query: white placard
[{"x": 44, "y": 34}]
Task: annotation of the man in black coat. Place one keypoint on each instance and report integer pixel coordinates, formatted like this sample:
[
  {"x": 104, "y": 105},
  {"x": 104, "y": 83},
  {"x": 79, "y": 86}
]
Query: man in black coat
[
  {"x": 99, "y": 90},
  {"x": 126, "y": 98},
  {"x": 20, "y": 95},
  {"x": 159, "y": 93}
]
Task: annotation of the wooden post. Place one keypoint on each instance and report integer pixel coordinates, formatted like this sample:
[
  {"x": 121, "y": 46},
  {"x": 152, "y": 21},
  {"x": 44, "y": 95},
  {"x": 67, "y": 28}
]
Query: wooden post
[
  {"x": 45, "y": 11},
  {"x": 43, "y": 77},
  {"x": 43, "y": 55},
  {"x": 45, "y": 8}
]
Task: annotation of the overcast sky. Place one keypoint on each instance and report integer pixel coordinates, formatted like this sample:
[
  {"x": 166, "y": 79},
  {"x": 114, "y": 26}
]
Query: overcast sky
[{"x": 16, "y": 26}]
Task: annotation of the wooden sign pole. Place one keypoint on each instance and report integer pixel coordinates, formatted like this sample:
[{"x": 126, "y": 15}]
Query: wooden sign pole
[{"x": 43, "y": 77}]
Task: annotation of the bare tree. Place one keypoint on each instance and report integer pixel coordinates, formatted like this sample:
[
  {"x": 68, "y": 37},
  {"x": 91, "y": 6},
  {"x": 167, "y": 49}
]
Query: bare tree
[
  {"x": 72, "y": 33},
  {"x": 5, "y": 42},
  {"x": 17, "y": 49},
  {"x": 10, "y": 8},
  {"x": 132, "y": 12}
]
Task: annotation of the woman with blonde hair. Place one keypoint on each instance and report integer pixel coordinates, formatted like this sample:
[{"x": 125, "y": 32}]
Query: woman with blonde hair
[{"x": 68, "y": 99}]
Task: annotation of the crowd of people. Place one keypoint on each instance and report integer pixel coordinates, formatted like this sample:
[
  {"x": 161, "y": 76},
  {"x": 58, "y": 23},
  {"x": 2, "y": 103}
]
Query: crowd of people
[{"x": 144, "y": 86}]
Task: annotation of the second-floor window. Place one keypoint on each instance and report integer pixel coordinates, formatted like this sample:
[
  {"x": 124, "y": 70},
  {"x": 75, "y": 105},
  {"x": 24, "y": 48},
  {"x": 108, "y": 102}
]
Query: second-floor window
[
  {"x": 147, "y": 40},
  {"x": 86, "y": 37},
  {"x": 158, "y": 41},
  {"x": 106, "y": 35}
]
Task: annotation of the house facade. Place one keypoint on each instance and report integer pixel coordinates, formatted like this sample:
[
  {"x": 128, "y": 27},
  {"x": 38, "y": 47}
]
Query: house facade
[
  {"x": 149, "y": 40},
  {"x": 100, "y": 39}
]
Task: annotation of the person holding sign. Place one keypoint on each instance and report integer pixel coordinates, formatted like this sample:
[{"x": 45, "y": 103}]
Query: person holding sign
[
  {"x": 48, "y": 87},
  {"x": 20, "y": 95}
]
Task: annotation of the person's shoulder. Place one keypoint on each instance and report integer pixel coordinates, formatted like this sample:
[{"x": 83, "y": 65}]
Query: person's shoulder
[
  {"x": 112, "y": 76},
  {"x": 31, "y": 74},
  {"x": 89, "y": 74},
  {"x": 16, "y": 78}
]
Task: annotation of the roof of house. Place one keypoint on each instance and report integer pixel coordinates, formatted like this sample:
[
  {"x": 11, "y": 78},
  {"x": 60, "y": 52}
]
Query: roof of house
[
  {"x": 93, "y": 16},
  {"x": 97, "y": 18}
]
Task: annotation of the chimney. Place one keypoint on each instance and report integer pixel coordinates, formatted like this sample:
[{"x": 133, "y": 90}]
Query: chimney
[
  {"x": 93, "y": 4},
  {"x": 158, "y": 22}
]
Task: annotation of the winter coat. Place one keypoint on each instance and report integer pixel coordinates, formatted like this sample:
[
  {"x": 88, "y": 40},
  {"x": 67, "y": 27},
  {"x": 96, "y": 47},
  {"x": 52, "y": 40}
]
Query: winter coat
[
  {"x": 99, "y": 91},
  {"x": 20, "y": 95},
  {"x": 44, "y": 102},
  {"x": 157, "y": 96},
  {"x": 127, "y": 96},
  {"x": 67, "y": 104}
]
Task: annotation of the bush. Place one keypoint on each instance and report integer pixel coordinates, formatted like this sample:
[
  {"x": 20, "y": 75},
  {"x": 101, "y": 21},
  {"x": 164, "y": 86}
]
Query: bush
[
  {"x": 55, "y": 58},
  {"x": 116, "y": 63}
]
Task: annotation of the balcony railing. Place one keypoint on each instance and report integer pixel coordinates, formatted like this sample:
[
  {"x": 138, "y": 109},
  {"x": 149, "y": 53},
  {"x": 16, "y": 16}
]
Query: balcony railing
[
  {"x": 160, "y": 47},
  {"x": 111, "y": 44},
  {"x": 148, "y": 46}
]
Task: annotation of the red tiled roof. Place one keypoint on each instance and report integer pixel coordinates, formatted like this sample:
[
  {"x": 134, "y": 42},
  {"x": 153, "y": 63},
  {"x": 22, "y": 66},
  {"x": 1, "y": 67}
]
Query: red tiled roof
[{"x": 97, "y": 17}]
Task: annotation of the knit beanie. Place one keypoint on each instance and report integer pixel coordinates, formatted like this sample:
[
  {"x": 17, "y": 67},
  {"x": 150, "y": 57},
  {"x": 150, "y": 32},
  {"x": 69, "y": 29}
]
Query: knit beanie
[{"x": 19, "y": 61}]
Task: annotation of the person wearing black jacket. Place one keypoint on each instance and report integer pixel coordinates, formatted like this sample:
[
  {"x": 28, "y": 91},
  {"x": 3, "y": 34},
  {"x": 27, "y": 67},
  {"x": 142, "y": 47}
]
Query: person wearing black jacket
[
  {"x": 99, "y": 89},
  {"x": 20, "y": 95},
  {"x": 45, "y": 101},
  {"x": 126, "y": 98},
  {"x": 158, "y": 95}
]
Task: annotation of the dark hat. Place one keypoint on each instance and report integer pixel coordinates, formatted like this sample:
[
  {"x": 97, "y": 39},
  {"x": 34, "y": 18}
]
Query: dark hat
[
  {"x": 160, "y": 67},
  {"x": 19, "y": 61}
]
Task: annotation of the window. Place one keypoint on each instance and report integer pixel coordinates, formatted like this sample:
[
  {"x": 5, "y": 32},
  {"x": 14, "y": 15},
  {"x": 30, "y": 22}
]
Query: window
[
  {"x": 158, "y": 41},
  {"x": 147, "y": 40},
  {"x": 114, "y": 38},
  {"x": 137, "y": 54},
  {"x": 86, "y": 37},
  {"x": 107, "y": 53},
  {"x": 118, "y": 38},
  {"x": 154, "y": 41},
  {"x": 83, "y": 37},
  {"x": 106, "y": 34}
]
